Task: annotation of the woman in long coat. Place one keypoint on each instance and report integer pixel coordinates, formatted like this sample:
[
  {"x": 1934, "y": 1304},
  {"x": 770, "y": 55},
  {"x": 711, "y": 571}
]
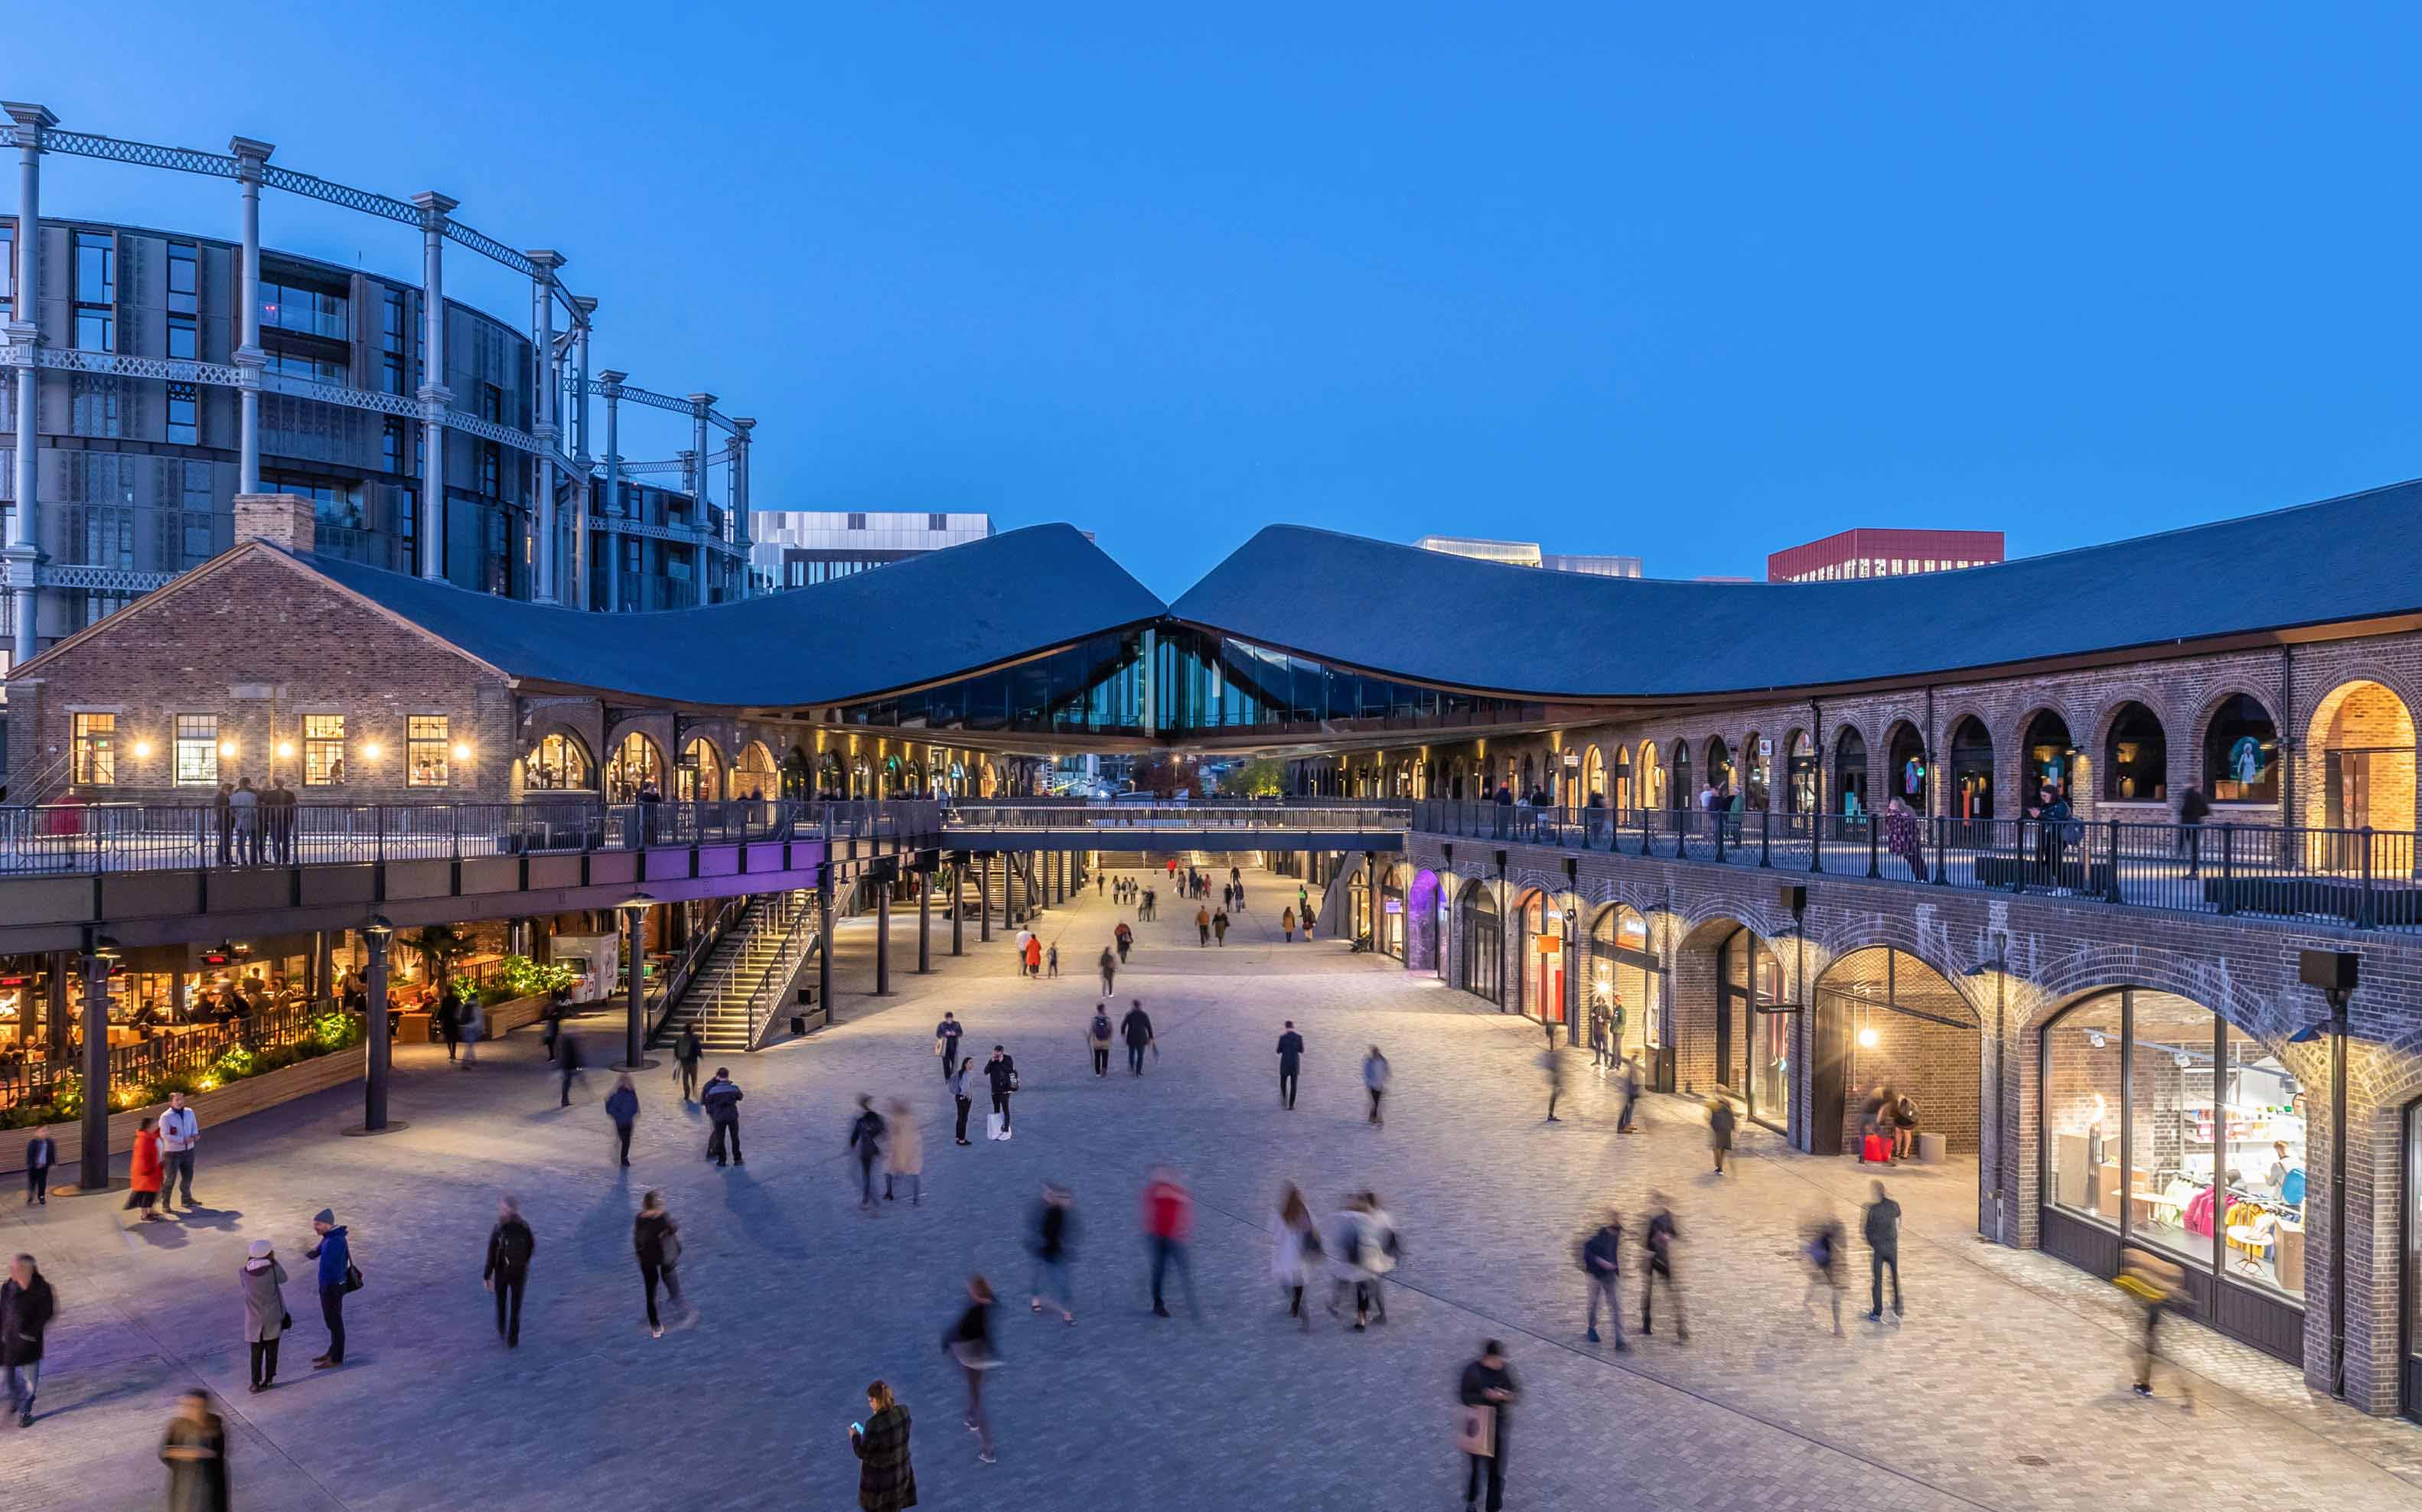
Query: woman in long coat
[
  {"x": 264, "y": 1310},
  {"x": 143, "y": 1171},
  {"x": 904, "y": 1157},
  {"x": 885, "y": 1480}
]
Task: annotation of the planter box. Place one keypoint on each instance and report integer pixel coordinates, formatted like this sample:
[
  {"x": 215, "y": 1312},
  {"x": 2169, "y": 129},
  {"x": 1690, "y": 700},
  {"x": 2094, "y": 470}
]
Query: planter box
[
  {"x": 215, "y": 1107},
  {"x": 502, "y": 1019}
]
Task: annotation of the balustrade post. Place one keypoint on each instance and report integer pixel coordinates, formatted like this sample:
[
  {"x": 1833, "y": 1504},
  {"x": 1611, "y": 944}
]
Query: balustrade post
[
  {"x": 1875, "y": 858},
  {"x": 2111, "y": 887},
  {"x": 2228, "y": 868},
  {"x": 2369, "y": 916},
  {"x": 1816, "y": 840},
  {"x": 378, "y": 830},
  {"x": 1766, "y": 837},
  {"x": 1942, "y": 847}
]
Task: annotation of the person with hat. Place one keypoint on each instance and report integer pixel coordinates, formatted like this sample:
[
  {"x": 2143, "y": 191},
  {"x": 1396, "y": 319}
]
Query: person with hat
[
  {"x": 335, "y": 1257},
  {"x": 265, "y": 1319}
]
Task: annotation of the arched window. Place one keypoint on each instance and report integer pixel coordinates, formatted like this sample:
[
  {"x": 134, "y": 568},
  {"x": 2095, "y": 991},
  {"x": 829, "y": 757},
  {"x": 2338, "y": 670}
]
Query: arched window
[
  {"x": 1850, "y": 771},
  {"x": 560, "y": 763},
  {"x": 2135, "y": 758},
  {"x": 1719, "y": 767},
  {"x": 1480, "y": 954},
  {"x": 1760, "y": 752},
  {"x": 1624, "y": 978},
  {"x": 1594, "y": 778},
  {"x": 1679, "y": 794},
  {"x": 702, "y": 772},
  {"x": 2241, "y": 749},
  {"x": 1530, "y": 780},
  {"x": 1971, "y": 769},
  {"x": 636, "y": 768},
  {"x": 1907, "y": 765},
  {"x": 1652, "y": 778},
  {"x": 755, "y": 777},
  {"x": 2048, "y": 754},
  {"x": 1800, "y": 774}
]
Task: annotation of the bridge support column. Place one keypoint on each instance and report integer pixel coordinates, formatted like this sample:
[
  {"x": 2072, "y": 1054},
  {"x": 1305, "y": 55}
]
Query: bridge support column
[
  {"x": 883, "y": 939},
  {"x": 824, "y": 931},
  {"x": 377, "y": 1050},
  {"x": 983, "y": 897},
  {"x": 958, "y": 905},
  {"x": 925, "y": 923},
  {"x": 92, "y": 1168}
]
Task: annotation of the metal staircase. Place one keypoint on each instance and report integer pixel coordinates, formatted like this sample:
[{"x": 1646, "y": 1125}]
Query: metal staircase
[{"x": 736, "y": 993}]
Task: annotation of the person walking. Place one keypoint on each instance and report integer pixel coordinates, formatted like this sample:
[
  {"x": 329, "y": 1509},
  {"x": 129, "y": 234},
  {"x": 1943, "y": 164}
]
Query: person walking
[
  {"x": 1025, "y": 937},
  {"x": 1551, "y": 1062},
  {"x": 969, "y": 1343},
  {"x": 1227, "y": 894},
  {"x": 334, "y": 1252},
  {"x": 26, "y": 1305},
  {"x": 903, "y": 1153},
  {"x": 510, "y": 1245},
  {"x": 688, "y": 1050},
  {"x": 2159, "y": 1287},
  {"x": 2194, "y": 809},
  {"x": 1168, "y": 1223},
  {"x": 42, "y": 1153},
  {"x": 1882, "y": 1229},
  {"x": 1290, "y": 1064},
  {"x": 475, "y": 1029},
  {"x": 887, "y": 1482},
  {"x": 1295, "y": 1249},
  {"x": 1001, "y": 1074},
  {"x": 1055, "y": 1229},
  {"x": 1721, "y": 1124},
  {"x": 1286, "y": 925},
  {"x": 866, "y": 1142},
  {"x": 656, "y": 1239},
  {"x": 1051, "y": 960},
  {"x": 946, "y": 1043},
  {"x": 1202, "y": 924},
  {"x": 1125, "y": 938},
  {"x": 569, "y": 1061},
  {"x": 1097, "y": 1039},
  {"x": 179, "y": 1132},
  {"x": 1137, "y": 1030},
  {"x": 722, "y": 1100},
  {"x": 1825, "y": 1243},
  {"x": 1488, "y": 1388},
  {"x": 1598, "y": 1056},
  {"x": 1220, "y": 928},
  {"x": 195, "y": 1451},
  {"x": 1109, "y": 967},
  {"x": 450, "y": 1025},
  {"x": 1627, "y": 1092},
  {"x": 1035, "y": 958},
  {"x": 1903, "y": 1117},
  {"x": 958, "y": 1085},
  {"x": 622, "y": 1107},
  {"x": 1602, "y": 1264},
  {"x": 1375, "y": 1082},
  {"x": 143, "y": 1171},
  {"x": 265, "y": 1317},
  {"x": 1661, "y": 1236}
]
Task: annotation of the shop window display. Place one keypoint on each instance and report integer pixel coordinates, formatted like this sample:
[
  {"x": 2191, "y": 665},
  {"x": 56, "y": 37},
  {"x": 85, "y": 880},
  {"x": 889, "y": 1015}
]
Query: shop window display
[{"x": 2082, "y": 1077}]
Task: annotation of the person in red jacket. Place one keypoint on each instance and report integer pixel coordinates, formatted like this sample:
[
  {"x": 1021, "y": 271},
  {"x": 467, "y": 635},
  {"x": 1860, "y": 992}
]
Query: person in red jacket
[
  {"x": 144, "y": 1172},
  {"x": 1168, "y": 1223}
]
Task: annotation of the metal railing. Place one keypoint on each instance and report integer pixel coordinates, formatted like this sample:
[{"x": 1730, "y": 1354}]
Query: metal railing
[
  {"x": 168, "y": 1051},
  {"x": 765, "y": 999},
  {"x": 83, "y": 838},
  {"x": 2363, "y": 877},
  {"x": 1358, "y": 817}
]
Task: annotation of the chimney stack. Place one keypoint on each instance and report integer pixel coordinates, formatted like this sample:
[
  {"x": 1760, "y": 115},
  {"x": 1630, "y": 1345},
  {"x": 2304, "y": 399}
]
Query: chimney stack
[{"x": 285, "y": 520}]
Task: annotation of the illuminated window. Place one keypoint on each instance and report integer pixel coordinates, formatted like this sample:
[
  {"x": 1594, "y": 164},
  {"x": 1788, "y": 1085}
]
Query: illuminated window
[
  {"x": 96, "y": 750},
  {"x": 197, "y": 749},
  {"x": 324, "y": 750},
  {"x": 425, "y": 743}
]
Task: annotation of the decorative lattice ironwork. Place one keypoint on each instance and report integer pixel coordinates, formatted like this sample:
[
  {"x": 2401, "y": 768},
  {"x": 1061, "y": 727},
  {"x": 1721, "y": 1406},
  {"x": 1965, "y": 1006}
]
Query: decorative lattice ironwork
[
  {"x": 490, "y": 430},
  {"x": 488, "y": 247},
  {"x": 717, "y": 418},
  {"x": 99, "y": 579},
  {"x": 142, "y": 154},
  {"x": 361, "y": 399},
  {"x": 172, "y": 370},
  {"x": 312, "y": 187},
  {"x": 648, "y": 397}
]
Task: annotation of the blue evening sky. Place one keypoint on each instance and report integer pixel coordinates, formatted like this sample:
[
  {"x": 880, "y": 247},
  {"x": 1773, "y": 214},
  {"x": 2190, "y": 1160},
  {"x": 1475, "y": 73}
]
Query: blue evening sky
[{"x": 1690, "y": 282}]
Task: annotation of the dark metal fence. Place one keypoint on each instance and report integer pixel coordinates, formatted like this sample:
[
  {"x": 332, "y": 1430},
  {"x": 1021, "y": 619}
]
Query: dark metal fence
[
  {"x": 86, "y": 838},
  {"x": 1023, "y": 814},
  {"x": 2363, "y": 877},
  {"x": 169, "y": 1051}
]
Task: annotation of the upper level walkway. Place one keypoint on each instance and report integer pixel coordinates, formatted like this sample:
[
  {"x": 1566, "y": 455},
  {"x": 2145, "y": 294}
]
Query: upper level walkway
[
  {"x": 2360, "y": 877},
  {"x": 1294, "y": 825}
]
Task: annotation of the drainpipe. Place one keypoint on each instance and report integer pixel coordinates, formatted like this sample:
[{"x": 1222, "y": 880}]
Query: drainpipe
[{"x": 2289, "y": 744}]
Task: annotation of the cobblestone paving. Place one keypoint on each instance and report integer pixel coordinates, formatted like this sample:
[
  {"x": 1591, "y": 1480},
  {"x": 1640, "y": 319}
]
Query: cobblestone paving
[{"x": 2003, "y": 1389}]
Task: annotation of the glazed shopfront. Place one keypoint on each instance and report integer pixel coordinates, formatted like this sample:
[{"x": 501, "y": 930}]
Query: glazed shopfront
[
  {"x": 2168, "y": 1128},
  {"x": 1626, "y": 981}
]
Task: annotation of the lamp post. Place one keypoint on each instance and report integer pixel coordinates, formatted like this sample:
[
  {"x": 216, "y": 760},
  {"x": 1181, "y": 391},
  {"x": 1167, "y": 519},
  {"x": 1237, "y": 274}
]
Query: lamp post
[
  {"x": 378, "y": 1047},
  {"x": 100, "y": 954},
  {"x": 633, "y": 911}
]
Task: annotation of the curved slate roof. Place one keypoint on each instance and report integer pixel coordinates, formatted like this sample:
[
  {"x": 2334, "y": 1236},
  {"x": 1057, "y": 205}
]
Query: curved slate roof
[
  {"x": 1432, "y": 618},
  {"x": 928, "y": 618}
]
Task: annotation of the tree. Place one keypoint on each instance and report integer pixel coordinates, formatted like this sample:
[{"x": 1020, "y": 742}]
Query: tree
[
  {"x": 1264, "y": 777},
  {"x": 1167, "y": 776},
  {"x": 439, "y": 944}
]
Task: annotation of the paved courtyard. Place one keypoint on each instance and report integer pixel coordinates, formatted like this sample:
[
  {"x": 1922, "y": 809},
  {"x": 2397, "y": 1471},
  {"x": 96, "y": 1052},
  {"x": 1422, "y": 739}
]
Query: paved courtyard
[{"x": 2004, "y": 1388}]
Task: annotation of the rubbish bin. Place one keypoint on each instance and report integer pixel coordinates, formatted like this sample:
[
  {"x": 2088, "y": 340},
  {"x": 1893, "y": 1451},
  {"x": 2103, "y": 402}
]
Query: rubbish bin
[
  {"x": 798, "y": 1023},
  {"x": 1929, "y": 1149}
]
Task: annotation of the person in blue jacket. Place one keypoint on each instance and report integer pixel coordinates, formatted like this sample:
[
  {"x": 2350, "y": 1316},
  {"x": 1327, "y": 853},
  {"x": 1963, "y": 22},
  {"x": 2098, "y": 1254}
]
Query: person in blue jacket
[{"x": 336, "y": 1256}]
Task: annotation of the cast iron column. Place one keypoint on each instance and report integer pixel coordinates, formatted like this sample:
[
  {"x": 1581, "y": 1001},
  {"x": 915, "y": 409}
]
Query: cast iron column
[
  {"x": 434, "y": 394},
  {"x": 958, "y": 904},
  {"x": 825, "y": 922},
  {"x": 93, "y": 1173},
  {"x": 250, "y": 157},
  {"x": 983, "y": 897},
  {"x": 924, "y": 922},
  {"x": 611, "y": 509},
  {"x": 883, "y": 939},
  {"x": 635, "y": 1026},
  {"x": 25, "y": 335},
  {"x": 381, "y": 1051}
]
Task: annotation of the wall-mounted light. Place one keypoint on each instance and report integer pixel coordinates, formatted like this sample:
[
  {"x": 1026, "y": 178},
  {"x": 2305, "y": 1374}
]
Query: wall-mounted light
[
  {"x": 226, "y": 747},
  {"x": 461, "y": 753},
  {"x": 142, "y": 750},
  {"x": 371, "y": 750},
  {"x": 1866, "y": 1039},
  {"x": 285, "y": 748}
]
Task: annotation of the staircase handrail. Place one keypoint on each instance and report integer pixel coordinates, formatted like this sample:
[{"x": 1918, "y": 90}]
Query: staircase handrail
[
  {"x": 701, "y": 945},
  {"x": 764, "y": 998}
]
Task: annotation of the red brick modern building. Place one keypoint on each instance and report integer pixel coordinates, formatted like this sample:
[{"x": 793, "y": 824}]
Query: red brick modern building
[{"x": 1883, "y": 553}]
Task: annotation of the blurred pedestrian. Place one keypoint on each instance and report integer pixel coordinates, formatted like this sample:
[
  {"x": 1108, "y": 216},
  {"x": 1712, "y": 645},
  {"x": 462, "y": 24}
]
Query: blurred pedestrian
[
  {"x": 1202, "y": 924},
  {"x": 1627, "y": 1092},
  {"x": 1826, "y": 1242},
  {"x": 510, "y": 1245},
  {"x": 688, "y": 1050},
  {"x": 958, "y": 1084},
  {"x": 1125, "y": 938},
  {"x": 1551, "y": 1062},
  {"x": 622, "y": 1107},
  {"x": 722, "y": 1100},
  {"x": 1882, "y": 1228},
  {"x": 1598, "y": 1056},
  {"x": 1051, "y": 960},
  {"x": 1659, "y": 1240},
  {"x": 195, "y": 1451},
  {"x": 568, "y": 1061},
  {"x": 27, "y": 1304},
  {"x": 1109, "y": 967},
  {"x": 1720, "y": 1122},
  {"x": 1055, "y": 1231},
  {"x": 1488, "y": 1386},
  {"x": 265, "y": 1319},
  {"x": 865, "y": 1143},
  {"x": 42, "y": 1153},
  {"x": 1220, "y": 928},
  {"x": 449, "y": 1026},
  {"x": 886, "y": 1481},
  {"x": 903, "y": 1153},
  {"x": 1034, "y": 956},
  {"x": 142, "y": 1171},
  {"x": 969, "y": 1343},
  {"x": 1602, "y": 1263},
  {"x": 2159, "y": 1287},
  {"x": 1290, "y": 1064},
  {"x": 475, "y": 1029},
  {"x": 336, "y": 1277},
  {"x": 1137, "y": 1030},
  {"x": 1375, "y": 1082},
  {"x": 656, "y": 1238},
  {"x": 1098, "y": 1033},
  {"x": 1296, "y": 1249},
  {"x": 1168, "y": 1223}
]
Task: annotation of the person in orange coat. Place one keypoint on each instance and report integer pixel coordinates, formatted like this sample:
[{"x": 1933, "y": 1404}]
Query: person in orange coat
[
  {"x": 1035, "y": 955},
  {"x": 144, "y": 1172}
]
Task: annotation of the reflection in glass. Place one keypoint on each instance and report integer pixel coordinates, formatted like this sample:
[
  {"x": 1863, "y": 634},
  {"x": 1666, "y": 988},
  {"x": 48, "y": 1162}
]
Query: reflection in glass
[{"x": 2083, "y": 1103}]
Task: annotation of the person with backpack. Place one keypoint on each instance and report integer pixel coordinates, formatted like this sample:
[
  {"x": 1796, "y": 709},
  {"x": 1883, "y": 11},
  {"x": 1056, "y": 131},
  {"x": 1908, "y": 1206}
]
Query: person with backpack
[
  {"x": 1136, "y": 1028},
  {"x": 1659, "y": 1240},
  {"x": 1055, "y": 1231},
  {"x": 1602, "y": 1264},
  {"x": 689, "y": 1050},
  {"x": 722, "y": 1100},
  {"x": 866, "y": 1141},
  {"x": 1722, "y": 1121},
  {"x": 510, "y": 1245},
  {"x": 1001, "y": 1072},
  {"x": 1825, "y": 1243},
  {"x": 1882, "y": 1229},
  {"x": 656, "y": 1239},
  {"x": 1097, "y": 1038},
  {"x": 1125, "y": 937},
  {"x": 334, "y": 1252}
]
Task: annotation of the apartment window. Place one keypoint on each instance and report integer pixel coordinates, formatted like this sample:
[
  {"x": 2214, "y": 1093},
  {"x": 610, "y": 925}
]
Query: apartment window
[
  {"x": 184, "y": 278},
  {"x": 286, "y": 307},
  {"x": 425, "y": 751},
  {"x": 391, "y": 446},
  {"x": 96, "y": 750},
  {"x": 324, "y": 750},
  {"x": 96, "y": 292},
  {"x": 184, "y": 402},
  {"x": 197, "y": 749},
  {"x": 7, "y": 272},
  {"x": 492, "y": 470},
  {"x": 492, "y": 404},
  {"x": 938, "y": 523},
  {"x": 318, "y": 370},
  {"x": 390, "y": 375},
  {"x": 858, "y": 522},
  {"x": 184, "y": 337}
]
